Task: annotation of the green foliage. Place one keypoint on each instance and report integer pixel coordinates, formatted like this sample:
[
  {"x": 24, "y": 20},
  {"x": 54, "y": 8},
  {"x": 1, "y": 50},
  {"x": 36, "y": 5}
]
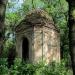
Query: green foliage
[
  {"x": 29, "y": 5},
  {"x": 20, "y": 68},
  {"x": 55, "y": 69},
  {"x": 9, "y": 44},
  {"x": 3, "y": 66}
]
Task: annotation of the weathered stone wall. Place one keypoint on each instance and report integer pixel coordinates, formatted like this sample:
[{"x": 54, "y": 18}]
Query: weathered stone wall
[
  {"x": 46, "y": 44},
  {"x": 51, "y": 45}
]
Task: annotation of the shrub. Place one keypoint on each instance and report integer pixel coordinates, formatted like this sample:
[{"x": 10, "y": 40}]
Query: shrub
[
  {"x": 53, "y": 68},
  {"x": 3, "y": 66},
  {"x": 24, "y": 68},
  {"x": 8, "y": 45}
]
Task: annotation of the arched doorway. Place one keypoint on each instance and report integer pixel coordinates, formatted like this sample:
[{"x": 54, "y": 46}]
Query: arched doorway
[{"x": 25, "y": 49}]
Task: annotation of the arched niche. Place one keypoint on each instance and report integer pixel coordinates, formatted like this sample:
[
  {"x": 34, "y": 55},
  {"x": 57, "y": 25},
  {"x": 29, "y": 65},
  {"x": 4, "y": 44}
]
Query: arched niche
[{"x": 25, "y": 49}]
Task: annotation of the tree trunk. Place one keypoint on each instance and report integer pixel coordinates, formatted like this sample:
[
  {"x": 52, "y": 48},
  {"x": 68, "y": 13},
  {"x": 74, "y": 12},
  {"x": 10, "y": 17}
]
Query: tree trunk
[
  {"x": 2, "y": 18},
  {"x": 72, "y": 33}
]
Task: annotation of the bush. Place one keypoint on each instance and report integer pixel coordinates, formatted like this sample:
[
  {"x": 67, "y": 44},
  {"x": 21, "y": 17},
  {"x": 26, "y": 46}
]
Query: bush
[
  {"x": 3, "y": 66},
  {"x": 8, "y": 45},
  {"x": 22, "y": 68},
  {"x": 53, "y": 68}
]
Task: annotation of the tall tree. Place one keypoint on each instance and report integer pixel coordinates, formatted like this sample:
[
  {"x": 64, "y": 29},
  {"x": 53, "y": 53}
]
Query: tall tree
[
  {"x": 2, "y": 17},
  {"x": 72, "y": 32}
]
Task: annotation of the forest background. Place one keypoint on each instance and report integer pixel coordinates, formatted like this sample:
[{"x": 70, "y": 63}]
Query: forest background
[{"x": 16, "y": 10}]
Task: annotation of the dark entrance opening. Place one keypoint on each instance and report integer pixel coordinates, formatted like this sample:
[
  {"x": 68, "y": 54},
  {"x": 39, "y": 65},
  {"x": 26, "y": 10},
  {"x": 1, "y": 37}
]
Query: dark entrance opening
[{"x": 25, "y": 49}]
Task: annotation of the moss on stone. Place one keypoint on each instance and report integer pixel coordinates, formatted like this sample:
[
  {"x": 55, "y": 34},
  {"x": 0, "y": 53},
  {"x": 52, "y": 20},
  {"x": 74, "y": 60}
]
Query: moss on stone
[{"x": 39, "y": 14}]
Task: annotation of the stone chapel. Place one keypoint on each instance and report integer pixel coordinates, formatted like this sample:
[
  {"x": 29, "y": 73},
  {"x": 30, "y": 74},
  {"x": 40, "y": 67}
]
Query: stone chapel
[{"x": 38, "y": 38}]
